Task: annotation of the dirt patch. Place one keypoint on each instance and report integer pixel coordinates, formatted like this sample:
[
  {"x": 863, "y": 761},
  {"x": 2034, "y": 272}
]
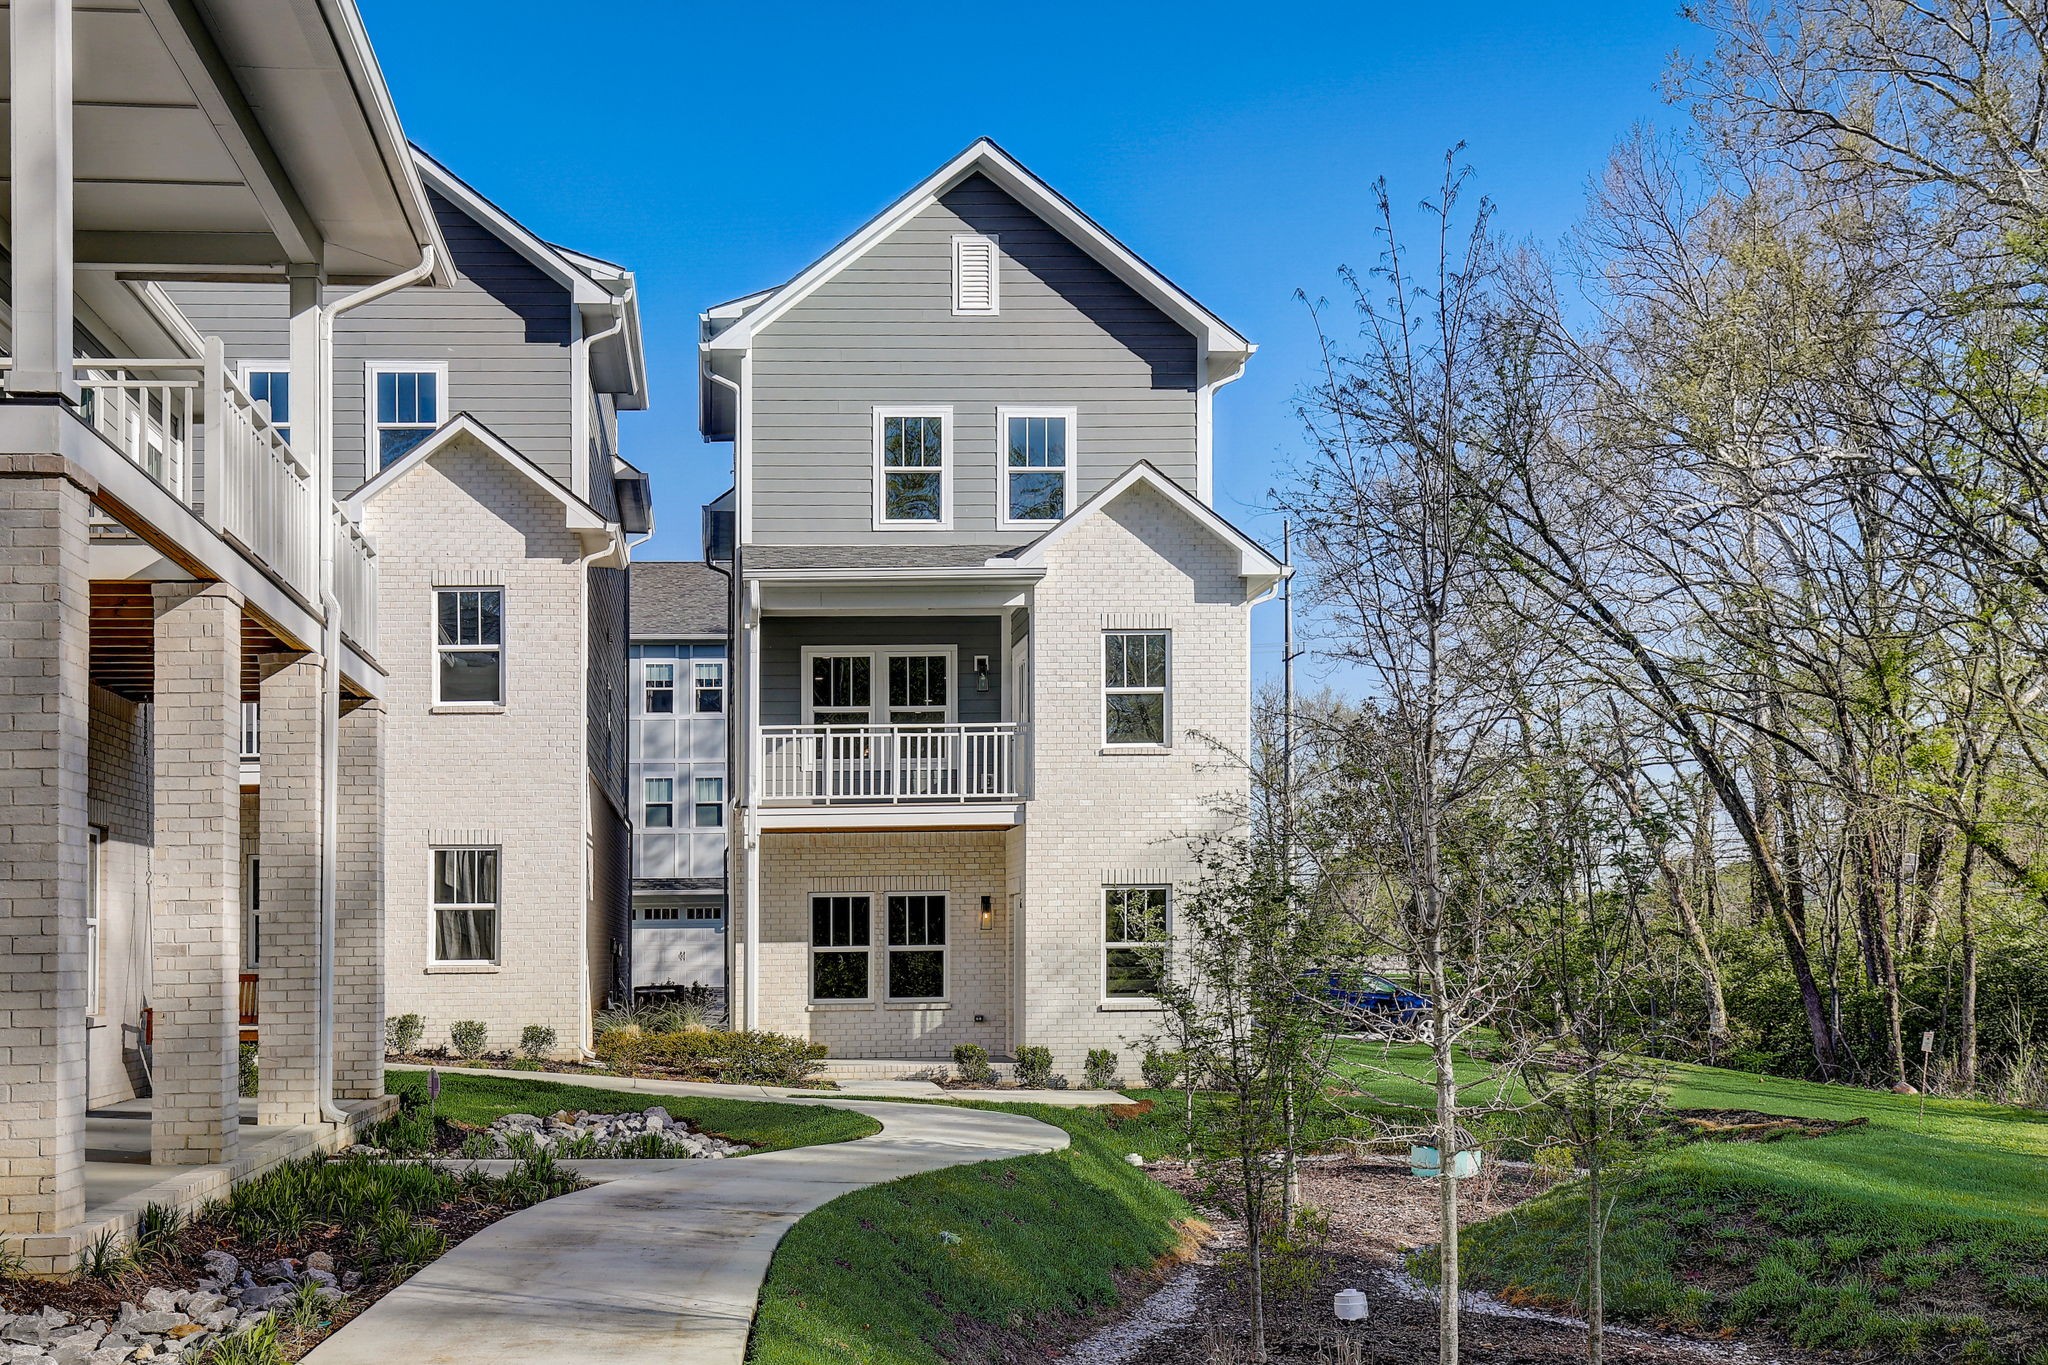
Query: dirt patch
[
  {"x": 1746, "y": 1125},
  {"x": 1377, "y": 1214}
]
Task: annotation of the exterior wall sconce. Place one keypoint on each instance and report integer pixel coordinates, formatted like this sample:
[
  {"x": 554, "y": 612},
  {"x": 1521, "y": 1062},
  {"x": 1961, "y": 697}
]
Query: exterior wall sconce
[
  {"x": 988, "y": 913},
  {"x": 981, "y": 672}
]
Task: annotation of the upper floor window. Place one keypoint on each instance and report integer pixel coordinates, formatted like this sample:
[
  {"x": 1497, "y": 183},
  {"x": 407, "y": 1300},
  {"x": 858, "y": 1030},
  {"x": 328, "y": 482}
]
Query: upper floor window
[
  {"x": 469, "y": 645},
  {"x": 710, "y": 802},
  {"x": 708, "y": 676},
  {"x": 913, "y": 459},
  {"x": 977, "y": 282},
  {"x": 405, "y": 405},
  {"x": 1134, "y": 687},
  {"x": 275, "y": 388},
  {"x": 1038, "y": 464},
  {"x": 660, "y": 805},
  {"x": 661, "y": 689}
]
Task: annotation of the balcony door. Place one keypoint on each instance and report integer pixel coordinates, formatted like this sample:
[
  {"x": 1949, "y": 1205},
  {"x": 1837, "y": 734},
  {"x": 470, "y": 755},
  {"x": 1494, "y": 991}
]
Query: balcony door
[{"x": 896, "y": 706}]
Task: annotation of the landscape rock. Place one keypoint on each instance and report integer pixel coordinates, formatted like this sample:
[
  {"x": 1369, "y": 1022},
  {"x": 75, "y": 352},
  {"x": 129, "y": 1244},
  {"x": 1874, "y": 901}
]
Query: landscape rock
[{"x": 588, "y": 1135}]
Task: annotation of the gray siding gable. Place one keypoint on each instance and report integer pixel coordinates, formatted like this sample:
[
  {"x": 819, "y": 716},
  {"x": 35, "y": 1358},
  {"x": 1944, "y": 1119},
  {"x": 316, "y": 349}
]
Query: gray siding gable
[
  {"x": 882, "y": 330},
  {"x": 502, "y": 329}
]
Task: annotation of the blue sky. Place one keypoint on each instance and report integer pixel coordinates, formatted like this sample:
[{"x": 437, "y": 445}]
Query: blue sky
[{"x": 719, "y": 149}]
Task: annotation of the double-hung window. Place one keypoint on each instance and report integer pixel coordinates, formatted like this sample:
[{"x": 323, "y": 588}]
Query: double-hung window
[
  {"x": 1134, "y": 671},
  {"x": 405, "y": 404},
  {"x": 660, "y": 804},
  {"x": 1134, "y": 936},
  {"x": 275, "y": 388},
  {"x": 708, "y": 681},
  {"x": 709, "y": 806},
  {"x": 913, "y": 464},
  {"x": 661, "y": 689},
  {"x": 465, "y": 905},
  {"x": 917, "y": 947},
  {"x": 469, "y": 645},
  {"x": 839, "y": 947},
  {"x": 842, "y": 689},
  {"x": 1038, "y": 464}
]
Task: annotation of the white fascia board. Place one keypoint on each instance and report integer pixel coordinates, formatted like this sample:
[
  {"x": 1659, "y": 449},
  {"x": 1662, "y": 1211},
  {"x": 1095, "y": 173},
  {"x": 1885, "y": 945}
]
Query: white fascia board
[
  {"x": 822, "y": 819},
  {"x": 1255, "y": 563},
  {"x": 578, "y": 515},
  {"x": 583, "y": 290},
  {"x": 986, "y": 158}
]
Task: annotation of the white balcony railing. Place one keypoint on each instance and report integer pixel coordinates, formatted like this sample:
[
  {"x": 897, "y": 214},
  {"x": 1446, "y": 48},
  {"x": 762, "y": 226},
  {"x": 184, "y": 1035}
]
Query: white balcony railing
[
  {"x": 257, "y": 490},
  {"x": 887, "y": 764},
  {"x": 148, "y": 419},
  {"x": 355, "y": 583}
]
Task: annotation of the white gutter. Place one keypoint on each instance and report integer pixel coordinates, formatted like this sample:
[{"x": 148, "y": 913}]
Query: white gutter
[
  {"x": 330, "y": 654},
  {"x": 585, "y": 395}
]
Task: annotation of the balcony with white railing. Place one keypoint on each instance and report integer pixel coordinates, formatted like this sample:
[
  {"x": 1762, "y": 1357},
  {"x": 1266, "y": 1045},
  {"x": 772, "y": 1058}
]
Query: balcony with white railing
[
  {"x": 889, "y": 765},
  {"x": 192, "y": 427}
]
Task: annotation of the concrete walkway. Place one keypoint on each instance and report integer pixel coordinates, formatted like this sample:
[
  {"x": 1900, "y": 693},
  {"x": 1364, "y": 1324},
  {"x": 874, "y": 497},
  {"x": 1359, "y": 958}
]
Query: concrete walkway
[{"x": 662, "y": 1263}]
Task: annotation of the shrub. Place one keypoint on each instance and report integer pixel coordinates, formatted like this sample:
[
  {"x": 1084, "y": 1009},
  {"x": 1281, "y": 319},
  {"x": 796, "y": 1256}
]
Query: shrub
[
  {"x": 1099, "y": 1071},
  {"x": 972, "y": 1059},
  {"x": 1160, "y": 1069},
  {"x": 707, "y": 1054},
  {"x": 470, "y": 1037},
  {"x": 536, "y": 1041},
  {"x": 246, "y": 1075},
  {"x": 402, "y": 1033},
  {"x": 1034, "y": 1067}
]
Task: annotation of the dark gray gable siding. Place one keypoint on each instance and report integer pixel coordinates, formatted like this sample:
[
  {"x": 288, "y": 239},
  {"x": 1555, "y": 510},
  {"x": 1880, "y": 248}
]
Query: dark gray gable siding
[
  {"x": 502, "y": 329},
  {"x": 883, "y": 330}
]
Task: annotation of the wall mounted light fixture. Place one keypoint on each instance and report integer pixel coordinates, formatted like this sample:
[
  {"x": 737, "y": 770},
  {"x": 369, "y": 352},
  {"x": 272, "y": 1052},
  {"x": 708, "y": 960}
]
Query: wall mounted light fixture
[
  {"x": 981, "y": 672},
  {"x": 988, "y": 912}
]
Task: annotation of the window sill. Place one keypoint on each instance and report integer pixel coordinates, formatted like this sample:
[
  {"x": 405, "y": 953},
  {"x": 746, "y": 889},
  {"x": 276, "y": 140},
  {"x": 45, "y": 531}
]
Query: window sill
[
  {"x": 933, "y": 1005},
  {"x": 462, "y": 968},
  {"x": 466, "y": 708},
  {"x": 1136, "y": 750},
  {"x": 1129, "y": 1007},
  {"x": 837, "y": 1006}
]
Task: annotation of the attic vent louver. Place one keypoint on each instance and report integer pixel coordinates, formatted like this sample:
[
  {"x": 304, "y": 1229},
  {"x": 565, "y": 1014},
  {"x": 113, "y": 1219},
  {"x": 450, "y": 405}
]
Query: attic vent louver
[{"x": 976, "y": 284}]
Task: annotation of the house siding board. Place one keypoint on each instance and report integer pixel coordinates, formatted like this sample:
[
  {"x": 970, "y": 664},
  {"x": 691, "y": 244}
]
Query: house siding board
[
  {"x": 608, "y": 592},
  {"x": 882, "y": 330},
  {"x": 502, "y": 329},
  {"x": 784, "y": 638}
]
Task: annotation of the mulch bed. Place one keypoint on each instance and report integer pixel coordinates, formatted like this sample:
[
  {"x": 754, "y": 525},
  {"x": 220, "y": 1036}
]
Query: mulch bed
[
  {"x": 1378, "y": 1213},
  {"x": 178, "y": 1266}
]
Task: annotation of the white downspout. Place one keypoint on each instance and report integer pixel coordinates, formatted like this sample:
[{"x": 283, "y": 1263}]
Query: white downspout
[{"x": 330, "y": 654}]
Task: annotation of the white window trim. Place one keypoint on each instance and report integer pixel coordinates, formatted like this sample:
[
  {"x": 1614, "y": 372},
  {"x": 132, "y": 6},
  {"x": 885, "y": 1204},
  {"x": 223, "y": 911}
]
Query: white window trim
[
  {"x": 695, "y": 804},
  {"x": 995, "y": 275},
  {"x": 944, "y": 950},
  {"x": 373, "y": 460},
  {"x": 878, "y": 676},
  {"x": 812, "y": 948},
  {"x": 1102, "y": 962},
  {"x": 944, "y": 412},
  {"x": 1166, "y": 697},
  {"x": 647, "y": 667},
  {"x": 647, "y": 803},
  {"x": 1003, "y": 470},
  {"x": 249, "y": 367},
  {"x": 434, "y": 648},
  {"x": 723, "y": 700},
  {"x": 434, "y": 959}
]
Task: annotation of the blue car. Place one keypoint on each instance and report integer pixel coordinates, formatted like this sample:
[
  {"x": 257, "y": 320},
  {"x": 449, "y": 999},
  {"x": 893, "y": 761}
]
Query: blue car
[{"x": 1375, "y": 1004}]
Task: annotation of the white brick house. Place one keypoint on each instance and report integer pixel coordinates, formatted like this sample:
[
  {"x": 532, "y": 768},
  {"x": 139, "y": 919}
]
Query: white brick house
[{"x": 991, "y": 633}]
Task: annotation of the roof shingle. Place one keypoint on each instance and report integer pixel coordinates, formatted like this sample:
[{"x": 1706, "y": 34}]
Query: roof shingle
[{"x": 675, "y": 597}]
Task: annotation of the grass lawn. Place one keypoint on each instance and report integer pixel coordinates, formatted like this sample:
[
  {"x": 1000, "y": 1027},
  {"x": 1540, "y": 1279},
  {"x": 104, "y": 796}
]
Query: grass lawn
[
  {"x": 871, "y": 1279},
  {"x": 763, "y": 1126},
  {"x": 1904, "y": 1237}
]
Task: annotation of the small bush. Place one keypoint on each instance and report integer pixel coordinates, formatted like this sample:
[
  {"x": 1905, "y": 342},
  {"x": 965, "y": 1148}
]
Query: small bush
[
  {"x": 1099, "y": 1071},
  {"x": 1034, "y": 1067},
  {"x": 246, "y": 1075},
  {"x": 470, "y": 1037},
  {"x": 972, "y": 1059},
  {"x": 707, "y": 1054},
  {"x": 536, "y": 1041},
  {"x": 402, "y": 1033},
  {"x": 1161, "y": 1070}
]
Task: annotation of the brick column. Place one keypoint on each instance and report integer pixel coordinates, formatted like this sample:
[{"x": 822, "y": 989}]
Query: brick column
[
  {"x": 288, "y": 842},
  {"x": 359, "y": 908},
  {"x": 45, "y": 622},
  {"x": 196, "y": 891}
]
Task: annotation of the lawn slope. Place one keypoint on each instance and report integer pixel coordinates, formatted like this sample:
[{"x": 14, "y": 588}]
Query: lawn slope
[{"x": 905, "y": 1273}]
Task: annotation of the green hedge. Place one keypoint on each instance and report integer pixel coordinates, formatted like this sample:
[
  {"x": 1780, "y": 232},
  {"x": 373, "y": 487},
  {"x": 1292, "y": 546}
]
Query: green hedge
[{"x": 713, "y": 1055}]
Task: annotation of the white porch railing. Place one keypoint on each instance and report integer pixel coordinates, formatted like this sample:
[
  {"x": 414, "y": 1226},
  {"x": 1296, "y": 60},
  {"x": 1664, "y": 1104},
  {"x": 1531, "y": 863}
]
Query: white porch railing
[
  {"x": 257, "y": 491},
  {"x": 887, "y": 764},
  {"x": 150, "y": 420},
  {"x": 355, "y": 583}
]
